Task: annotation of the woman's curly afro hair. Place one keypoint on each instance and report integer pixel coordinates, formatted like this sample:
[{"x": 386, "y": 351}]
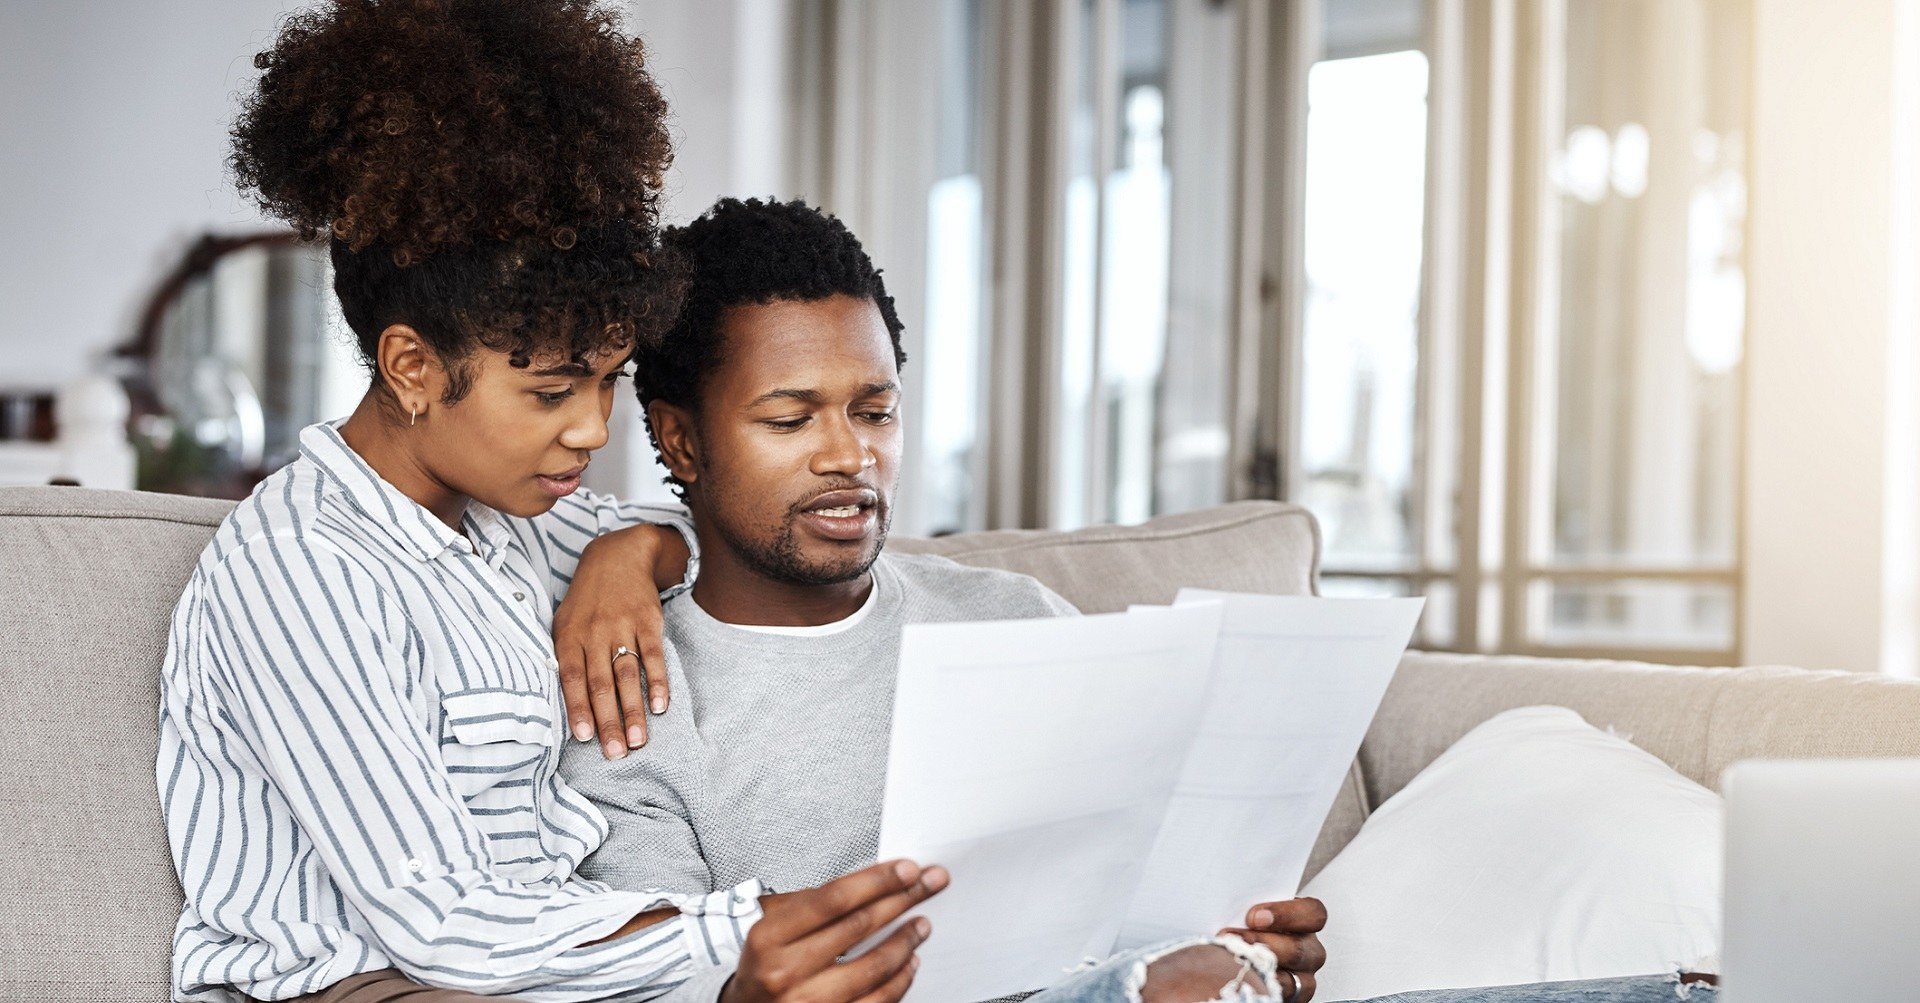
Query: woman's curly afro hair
[{"x": 487, "y": 171}]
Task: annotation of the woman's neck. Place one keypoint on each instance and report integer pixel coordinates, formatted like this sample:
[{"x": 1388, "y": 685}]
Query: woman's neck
[{"x": 387, "y": 447}]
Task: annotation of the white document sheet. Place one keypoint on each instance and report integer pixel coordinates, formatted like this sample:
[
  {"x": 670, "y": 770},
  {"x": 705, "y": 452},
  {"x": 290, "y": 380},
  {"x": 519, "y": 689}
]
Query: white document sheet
[
  {"x": 1035, "y": 760},
  {"x": 1294, "y": 684}
]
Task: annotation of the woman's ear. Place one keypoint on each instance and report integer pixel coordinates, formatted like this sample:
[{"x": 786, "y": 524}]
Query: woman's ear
[
  {"x": 410, "y": 369},
  {"x": 679, "y": 442}
]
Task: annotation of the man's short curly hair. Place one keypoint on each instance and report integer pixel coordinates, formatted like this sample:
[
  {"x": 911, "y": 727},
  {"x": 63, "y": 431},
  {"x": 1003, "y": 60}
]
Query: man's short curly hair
[
  {"x": 487, "y": 171},
  {"x": 746, "y": 252}
]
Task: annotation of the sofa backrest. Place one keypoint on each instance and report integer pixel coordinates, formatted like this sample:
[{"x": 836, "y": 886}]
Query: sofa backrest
[
  {"x": 88, "y": 580},
  {"x": 1252, "y": 546},
  {"x": 1699, "y": 720}
]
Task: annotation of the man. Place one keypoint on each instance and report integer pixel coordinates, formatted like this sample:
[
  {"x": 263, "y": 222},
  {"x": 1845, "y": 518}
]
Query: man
[{"x": 774, "y": 402}]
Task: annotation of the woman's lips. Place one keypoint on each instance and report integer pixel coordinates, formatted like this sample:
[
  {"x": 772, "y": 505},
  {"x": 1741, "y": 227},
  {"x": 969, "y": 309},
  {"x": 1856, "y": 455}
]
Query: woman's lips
[{"x": 560, "y": 485}]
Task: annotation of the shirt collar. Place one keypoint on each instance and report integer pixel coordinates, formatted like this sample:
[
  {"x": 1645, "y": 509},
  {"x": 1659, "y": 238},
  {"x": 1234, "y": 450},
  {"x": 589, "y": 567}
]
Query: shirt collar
[
  {"x": 407, "y": 522},
  {"x": 488, "y": 530}
]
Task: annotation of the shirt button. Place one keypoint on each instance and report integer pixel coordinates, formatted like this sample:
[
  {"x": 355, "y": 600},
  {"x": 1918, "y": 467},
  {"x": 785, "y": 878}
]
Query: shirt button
[
  {"x": 519, "y": 597},
  {"x": 553, "y": 664},
  {"x": 414, "y": 865}
]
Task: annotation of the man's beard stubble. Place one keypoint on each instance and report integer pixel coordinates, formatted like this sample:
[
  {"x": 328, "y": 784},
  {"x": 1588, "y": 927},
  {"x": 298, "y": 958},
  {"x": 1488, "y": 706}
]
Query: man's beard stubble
[{"x": 780, "y": 559}]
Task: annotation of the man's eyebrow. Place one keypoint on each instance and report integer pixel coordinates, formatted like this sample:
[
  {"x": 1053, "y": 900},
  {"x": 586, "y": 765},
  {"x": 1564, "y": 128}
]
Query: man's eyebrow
[
  {"x": 788, "y": 393},
  {"x": 815, "y": 396}
]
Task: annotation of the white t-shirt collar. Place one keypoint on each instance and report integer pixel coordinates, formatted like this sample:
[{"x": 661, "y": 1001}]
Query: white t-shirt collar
[{"x": 847, "y": 623}]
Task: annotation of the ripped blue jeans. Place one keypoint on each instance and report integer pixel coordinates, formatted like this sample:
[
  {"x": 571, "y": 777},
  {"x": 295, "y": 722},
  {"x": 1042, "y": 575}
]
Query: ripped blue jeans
[
  {"x": 1120, "y": 978},
  {"x": 1639, "y": 989}
]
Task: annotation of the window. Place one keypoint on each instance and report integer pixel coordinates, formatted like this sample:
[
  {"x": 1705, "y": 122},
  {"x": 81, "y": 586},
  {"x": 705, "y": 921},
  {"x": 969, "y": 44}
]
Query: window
[
  {"x": 1127, "y": 340},
  {"x": 1364, "y": 224},
  {"x": 954, "y": 343},
  {"x": 1546, "y": 444},
  {"x": 1466, "y": 280},
  {"x": 1637, "y": 375}
]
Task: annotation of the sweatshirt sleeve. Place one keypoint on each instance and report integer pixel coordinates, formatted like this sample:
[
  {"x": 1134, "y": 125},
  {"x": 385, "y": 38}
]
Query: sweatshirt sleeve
[{"x": 648, "y": 798}]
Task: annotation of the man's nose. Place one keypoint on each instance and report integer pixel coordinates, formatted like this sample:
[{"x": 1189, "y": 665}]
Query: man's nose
[{"x": 844, "y": 451}]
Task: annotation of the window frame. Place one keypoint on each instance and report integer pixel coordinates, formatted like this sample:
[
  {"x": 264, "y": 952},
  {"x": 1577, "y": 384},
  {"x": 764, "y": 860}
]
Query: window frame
[
  {"x": 1482, "y": 497},
  {"x": 1488, "y": 309}
]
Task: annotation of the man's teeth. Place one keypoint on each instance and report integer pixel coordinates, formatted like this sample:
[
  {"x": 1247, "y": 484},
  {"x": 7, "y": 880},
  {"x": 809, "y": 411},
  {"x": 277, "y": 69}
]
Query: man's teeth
[{"x": 843, "y": 512}]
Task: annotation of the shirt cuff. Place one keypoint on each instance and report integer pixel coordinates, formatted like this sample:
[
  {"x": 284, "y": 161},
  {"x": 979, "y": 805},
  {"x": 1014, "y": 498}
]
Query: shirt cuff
[
  {"x": 715, "y": 925},
  {"x": 701, "y": 987},
  {"x": 693, "y": 561}
]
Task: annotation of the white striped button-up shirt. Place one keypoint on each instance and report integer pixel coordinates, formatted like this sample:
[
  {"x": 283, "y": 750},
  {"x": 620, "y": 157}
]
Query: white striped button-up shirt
[{"x": 359, "y": 733}]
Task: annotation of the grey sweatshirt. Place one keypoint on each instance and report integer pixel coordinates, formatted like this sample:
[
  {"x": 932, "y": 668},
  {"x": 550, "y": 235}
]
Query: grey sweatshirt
[{"x": 771, "y": 759}]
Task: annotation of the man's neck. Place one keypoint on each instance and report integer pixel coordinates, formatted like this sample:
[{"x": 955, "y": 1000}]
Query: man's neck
[{"x": 732, "y": 593}]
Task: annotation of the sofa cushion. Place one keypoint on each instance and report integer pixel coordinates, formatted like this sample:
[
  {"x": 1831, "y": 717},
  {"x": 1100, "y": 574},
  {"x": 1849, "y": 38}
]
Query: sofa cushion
[
  {"x": 1537, "y": 849},
  {"x": 88, "y": 581}
]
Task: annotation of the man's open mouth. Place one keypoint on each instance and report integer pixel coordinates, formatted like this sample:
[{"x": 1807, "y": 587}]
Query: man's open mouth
[{"x": 844, "y": 515}]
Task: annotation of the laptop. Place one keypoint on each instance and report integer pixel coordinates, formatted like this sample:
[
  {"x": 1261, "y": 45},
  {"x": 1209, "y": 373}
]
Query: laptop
[{"x": 1823, "y": 882}]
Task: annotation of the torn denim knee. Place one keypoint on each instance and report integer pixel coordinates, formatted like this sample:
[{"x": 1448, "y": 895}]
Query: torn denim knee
[
  {"x": 1684, "y": 988},
  {"x": 1123, "y": 977},
  {"x": 1256, "y": 982}
]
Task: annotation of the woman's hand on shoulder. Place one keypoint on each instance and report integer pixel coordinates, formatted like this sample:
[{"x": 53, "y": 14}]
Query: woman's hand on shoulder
[{"x": 607, "y": 635}]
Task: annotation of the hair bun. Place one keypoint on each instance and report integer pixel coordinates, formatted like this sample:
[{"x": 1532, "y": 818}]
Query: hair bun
[{"x": 422, "y": 125}]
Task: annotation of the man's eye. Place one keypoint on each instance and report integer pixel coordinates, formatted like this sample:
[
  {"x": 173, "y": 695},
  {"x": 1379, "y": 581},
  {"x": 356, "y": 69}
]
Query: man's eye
[
  {"x": 554, "y": 397},
  {"x": 785, "y": 424},
  {"x": 878, "y": 417}
]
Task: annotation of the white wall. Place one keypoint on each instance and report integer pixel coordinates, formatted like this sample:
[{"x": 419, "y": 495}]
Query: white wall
[
  {"x": 113, "y": 122},
  {"x": 113, "y": 145},
  {"x": 1831, "y": 455}
]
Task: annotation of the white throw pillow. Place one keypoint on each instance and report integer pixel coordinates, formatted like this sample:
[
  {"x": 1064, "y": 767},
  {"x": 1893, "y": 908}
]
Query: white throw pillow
[{"x": 1537, "y": 849}]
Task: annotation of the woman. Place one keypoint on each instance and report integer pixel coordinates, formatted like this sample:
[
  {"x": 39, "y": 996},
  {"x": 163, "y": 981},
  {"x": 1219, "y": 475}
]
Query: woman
[{"x": 360, "y": 703}]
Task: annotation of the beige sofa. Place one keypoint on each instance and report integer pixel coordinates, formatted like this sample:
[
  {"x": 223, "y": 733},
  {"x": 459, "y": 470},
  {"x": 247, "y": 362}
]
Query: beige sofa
[{"x": 88, "y": 578}]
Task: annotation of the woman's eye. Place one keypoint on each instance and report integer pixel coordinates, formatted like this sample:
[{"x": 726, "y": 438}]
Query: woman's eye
[
  {"x": 613, "y": 377},
  {"x": 554, "y": 397}
]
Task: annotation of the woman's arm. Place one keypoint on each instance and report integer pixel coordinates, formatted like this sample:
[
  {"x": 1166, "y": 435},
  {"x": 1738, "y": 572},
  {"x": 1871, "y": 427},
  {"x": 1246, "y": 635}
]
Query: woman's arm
[
  {"x": 307, "y": 675},
  {"x": 610, "y": 605},
  {"x": 600, "y": 550}
]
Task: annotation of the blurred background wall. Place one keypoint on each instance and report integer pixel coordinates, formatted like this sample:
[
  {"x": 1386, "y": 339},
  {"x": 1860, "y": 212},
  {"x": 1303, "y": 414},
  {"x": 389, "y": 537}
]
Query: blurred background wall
[{"x": 1591, "y": 320}]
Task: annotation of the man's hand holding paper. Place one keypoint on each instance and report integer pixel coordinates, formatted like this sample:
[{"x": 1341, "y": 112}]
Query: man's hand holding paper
[{"x": 1114, "y": 780}]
